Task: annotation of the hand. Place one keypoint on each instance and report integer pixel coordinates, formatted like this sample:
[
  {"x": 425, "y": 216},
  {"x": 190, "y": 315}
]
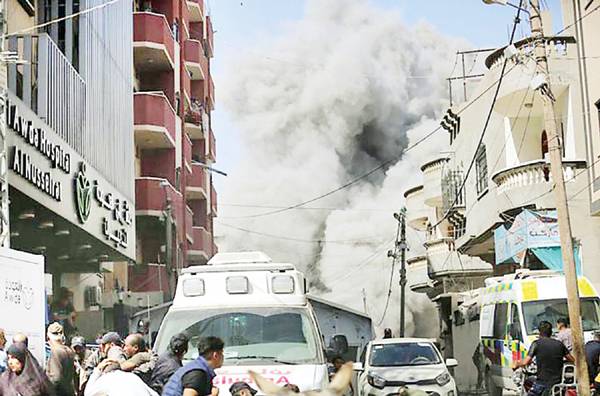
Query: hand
[
  {"x": 215, "y": 391},
  {"x": 516, "y": 364}
]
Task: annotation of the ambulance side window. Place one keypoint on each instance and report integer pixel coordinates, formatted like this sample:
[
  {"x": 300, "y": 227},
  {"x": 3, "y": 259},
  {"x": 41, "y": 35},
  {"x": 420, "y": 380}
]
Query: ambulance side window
[
  {"x": 515, "y": 323},
  {"x": 500, "y": 321}
]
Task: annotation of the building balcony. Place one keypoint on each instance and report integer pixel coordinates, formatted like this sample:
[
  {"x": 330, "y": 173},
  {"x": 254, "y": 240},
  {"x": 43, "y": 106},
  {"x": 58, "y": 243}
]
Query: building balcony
[
  {"x": 195, "y": 60},
  {"x": 186, "y": 83},
  {"x": 211, "y": 93},
  {"x": 189, "y": 222},
  {"x": 516, "y": 88},
  {"x": 531, "y": 183},
  {"x": 418, "y": 278},
  {"x": 432, "y": 182},
  {"x": 153, "y": 42},
  {"x": 212, "y": 146},
  {"x": 196, "y": 10},
  {"x": 444, "y": 261},
  {"x": 194, "y": 121},
  {"x": 213, "y": 200},
  {"x": 200, "y": 250},
  {"x": 152, "y": 195},
  {"x": 154, "y": 121},
  {"x": 209, "y": 37},
  {"x": 197, "y": 183},
  {"x": 416, "y": 211},
  {"x": 187, "y": 152}
]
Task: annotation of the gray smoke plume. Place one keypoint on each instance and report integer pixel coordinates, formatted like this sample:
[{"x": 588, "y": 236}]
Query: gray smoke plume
[{"x": 347, "y": 88}]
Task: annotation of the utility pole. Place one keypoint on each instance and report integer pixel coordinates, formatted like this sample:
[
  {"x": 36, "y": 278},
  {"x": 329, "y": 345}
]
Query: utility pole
[
  {"x": 4, "y": 59},
  {"x": 562, "y": 209},
  {"x": 401, "y": 244}
]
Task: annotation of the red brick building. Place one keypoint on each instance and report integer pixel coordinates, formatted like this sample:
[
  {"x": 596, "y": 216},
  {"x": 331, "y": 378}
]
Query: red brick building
[{"x": 174, "y": 96}]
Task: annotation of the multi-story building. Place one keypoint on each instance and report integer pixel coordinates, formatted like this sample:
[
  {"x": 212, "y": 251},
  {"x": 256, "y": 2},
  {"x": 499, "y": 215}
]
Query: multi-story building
[
  {"x": 70, "y": 144},
  {"x": 174, "y": 142},
  {"x": 501, "y": 216}
]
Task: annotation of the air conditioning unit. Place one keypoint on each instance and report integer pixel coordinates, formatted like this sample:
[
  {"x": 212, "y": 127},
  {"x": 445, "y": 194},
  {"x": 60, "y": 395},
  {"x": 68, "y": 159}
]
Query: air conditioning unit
[{"x": 92, "y": 296}]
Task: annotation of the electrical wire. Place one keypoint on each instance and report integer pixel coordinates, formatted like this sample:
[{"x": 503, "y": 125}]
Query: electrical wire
[
  {"x": 389, "y": 294},
  {"x": 485, "y": 126}
]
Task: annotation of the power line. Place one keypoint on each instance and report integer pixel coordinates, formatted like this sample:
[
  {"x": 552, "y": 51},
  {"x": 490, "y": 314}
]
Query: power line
[{"x": 487, "y": 121}]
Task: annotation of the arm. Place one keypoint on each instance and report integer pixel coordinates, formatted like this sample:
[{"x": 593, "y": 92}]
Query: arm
[
  {"x": 54, "y": 368},
  {"x": 190, "y": 392},
  {"x": 522, "y": 363},
  {"x": 569, "y": 358}
]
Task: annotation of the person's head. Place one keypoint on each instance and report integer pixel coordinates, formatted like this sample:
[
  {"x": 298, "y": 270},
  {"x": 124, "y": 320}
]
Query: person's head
[
  {"x": 20, "y": 338},
  {"x": 64, "y": 296},
  {"x": 143, "y": 326},
  {"x": 338, "y": 362},
  {"x": 2, "y": 339},
  {"x": 387, "y": 333},
  {"x": 109, "y": 340},
  {"x": 56, "y": 333},
  {"x": 134, "y": 343},
  {"x": 78, "y": 345},
  {"x": 17, "y": 355},
  {"x": 241, "y": 389},
  {"x": 545, "y": 329},
  {"x": 562, "y": 323},
  {"x": 211, "y": 349},
  {"x": 178, "y": 345},
  {"x": 292, "y": 388}
]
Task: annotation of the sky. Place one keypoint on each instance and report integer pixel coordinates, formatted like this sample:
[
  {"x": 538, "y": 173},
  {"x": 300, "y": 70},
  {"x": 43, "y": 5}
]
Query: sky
[{"x": 246, "y": 25}]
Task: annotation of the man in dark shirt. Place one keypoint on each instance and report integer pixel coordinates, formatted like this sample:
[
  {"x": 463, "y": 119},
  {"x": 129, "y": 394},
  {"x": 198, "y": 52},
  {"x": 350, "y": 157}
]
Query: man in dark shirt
[
  {"x": 195, "y": 378},
  {"x": 592, "y": 355},
  {"x": 549, "y": 355},
  {"x": 169, "y": 361}
]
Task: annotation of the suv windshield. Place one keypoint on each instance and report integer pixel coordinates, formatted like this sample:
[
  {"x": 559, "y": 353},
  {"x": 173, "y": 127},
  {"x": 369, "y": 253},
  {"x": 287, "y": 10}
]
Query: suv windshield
[
  {"x": 250, "y": 334},
  {"x": 404, "y": 354},
  {"x": 551, "y": 310}
]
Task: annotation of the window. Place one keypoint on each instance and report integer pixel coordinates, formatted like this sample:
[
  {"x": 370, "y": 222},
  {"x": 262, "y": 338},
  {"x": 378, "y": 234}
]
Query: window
[
  {"x": 404, "y": 354},
  {"x": 481, "y": 168},
  {"x": 500, "y": 318},
  {"x": 515, "y": 323}
]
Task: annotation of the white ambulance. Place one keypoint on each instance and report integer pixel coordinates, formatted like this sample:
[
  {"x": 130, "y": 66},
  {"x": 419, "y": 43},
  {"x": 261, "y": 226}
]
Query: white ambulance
[
  {"x": 260, "y": 310},
  {"x": 503, "y": 319}
]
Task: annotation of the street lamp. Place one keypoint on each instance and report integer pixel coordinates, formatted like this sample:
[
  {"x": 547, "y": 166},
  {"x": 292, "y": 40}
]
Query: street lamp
[
  {"x": 504, "y": 3},
  {"x": 208, "y": 167}
]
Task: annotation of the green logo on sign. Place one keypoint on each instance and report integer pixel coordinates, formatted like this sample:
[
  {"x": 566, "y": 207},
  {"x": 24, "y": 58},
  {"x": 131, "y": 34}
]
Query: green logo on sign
[{"x": 83, "y": 194}]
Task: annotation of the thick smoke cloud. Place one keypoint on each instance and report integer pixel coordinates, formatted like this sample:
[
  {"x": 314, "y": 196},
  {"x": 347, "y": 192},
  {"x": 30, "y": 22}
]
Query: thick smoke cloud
[{"x": 348, "y": 87}]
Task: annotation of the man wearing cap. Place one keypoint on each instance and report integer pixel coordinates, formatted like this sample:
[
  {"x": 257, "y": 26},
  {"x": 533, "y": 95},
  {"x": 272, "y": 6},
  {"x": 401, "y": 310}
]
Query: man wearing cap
[
  {"x": 81, "y": 355},
  {"x": 592, "y": 355},
  {"x": 241, "y": 389},
  {"x": 61, "y": 366},
  {"x": 110, "y": 348}
]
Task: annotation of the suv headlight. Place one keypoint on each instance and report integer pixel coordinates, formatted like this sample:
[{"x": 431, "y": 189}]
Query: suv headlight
[
  {"x": 443, "y": 379},
  {"x": 376, "y": 381}
]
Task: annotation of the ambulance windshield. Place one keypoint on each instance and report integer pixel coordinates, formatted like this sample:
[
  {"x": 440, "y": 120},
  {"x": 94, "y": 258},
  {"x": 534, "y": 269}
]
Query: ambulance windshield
[
  {"x": 552, "y": 310},
  {"x": 261, "y": 335}
]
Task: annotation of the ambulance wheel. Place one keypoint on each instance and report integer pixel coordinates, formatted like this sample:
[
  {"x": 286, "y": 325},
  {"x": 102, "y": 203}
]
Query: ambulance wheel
[{"x": 490, "y": 386}]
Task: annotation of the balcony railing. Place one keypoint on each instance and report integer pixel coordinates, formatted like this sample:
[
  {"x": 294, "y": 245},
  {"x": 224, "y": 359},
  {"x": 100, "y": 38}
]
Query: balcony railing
[
  {"x": 556, "y": 46},
  {"x": 209, "y": 37},
  {"x": 189, "y": 222},
  {"x": 154, "y": 120},
  {"x": 200, "y": 250},
  {"x": 213, "y": 200},
  {"x": 197, "y": 183},
  {"x": 153, "y": 42},
  {"x": 152, "y": 195},
  {"x": 186, "y": 82},
  {"x": 195, "y": 59},
  {"x": 418, "y": 278},
  {"x": 416, "y": 211},
  {"x": 533, "y": 173},
  {"x": 194, "y": 118},
  {"x": 432, "y": 181},
  {"x": 211, "y": 92},
  {"x": 212, "y": 146},
  {"x": 187, "y": 152},
  {"x": 196, "y": 9},
  {"x": 444, "y": 260}
]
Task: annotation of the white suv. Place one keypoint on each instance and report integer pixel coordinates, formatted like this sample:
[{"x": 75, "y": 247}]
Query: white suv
[{"x": 414, "y": 363}]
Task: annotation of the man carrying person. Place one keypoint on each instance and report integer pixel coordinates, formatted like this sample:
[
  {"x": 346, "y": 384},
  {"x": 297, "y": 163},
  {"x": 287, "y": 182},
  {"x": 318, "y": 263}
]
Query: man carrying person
[
  {"x": 169, "y": 362},
  {"x": 110, "y": 348},
  {"x": 140, "y": 361},
  {"x": 195, "y": 378},
  {"x": 550, "y": 355},
  {"x": 61, "y": 367}
]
